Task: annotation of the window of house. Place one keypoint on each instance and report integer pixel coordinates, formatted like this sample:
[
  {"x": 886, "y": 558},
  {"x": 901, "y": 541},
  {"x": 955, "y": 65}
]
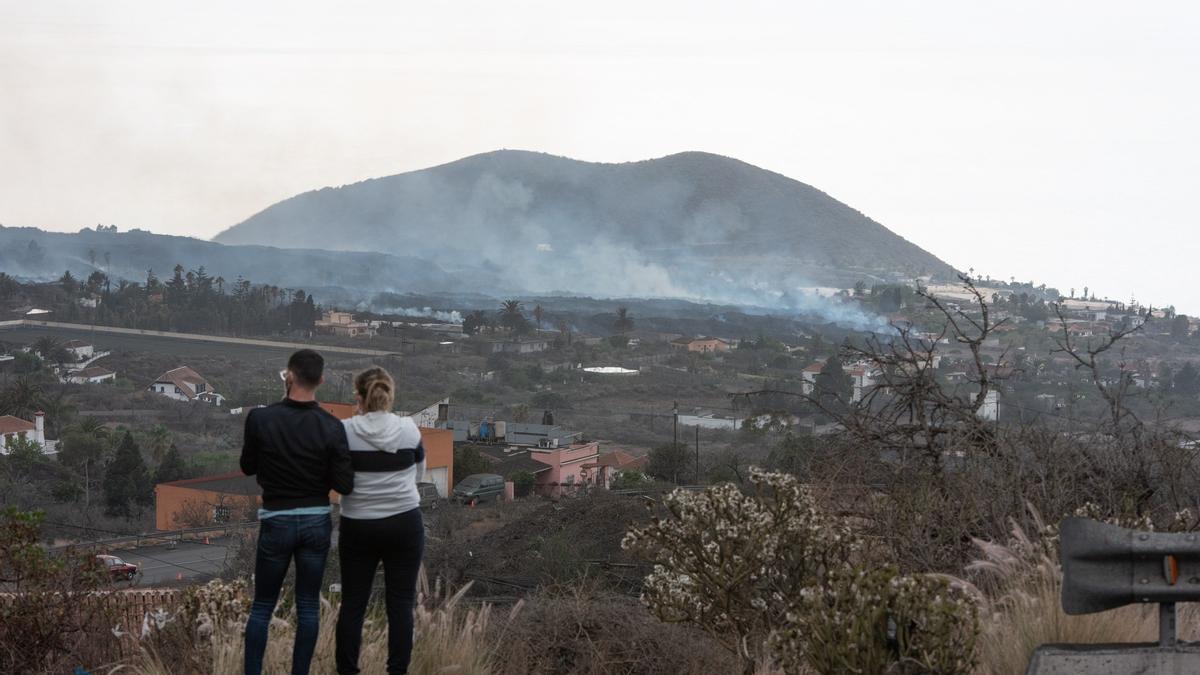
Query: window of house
[{"x": 200, "y": 388}]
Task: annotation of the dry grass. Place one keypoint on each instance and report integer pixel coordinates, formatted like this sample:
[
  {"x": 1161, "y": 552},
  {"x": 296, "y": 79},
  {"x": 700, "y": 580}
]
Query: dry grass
[
  {"x": 450, "y": 638},
  {"x": 1019, "y": 589}
]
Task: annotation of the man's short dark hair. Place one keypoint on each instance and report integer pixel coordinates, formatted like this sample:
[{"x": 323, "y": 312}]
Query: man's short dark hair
[{"x": 307, "y": 366}]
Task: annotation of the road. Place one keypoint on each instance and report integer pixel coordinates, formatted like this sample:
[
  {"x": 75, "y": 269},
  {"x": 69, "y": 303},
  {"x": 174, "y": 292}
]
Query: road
[
  {"x": 188, "y": 562},
  {"x": 159, "y": 344}
]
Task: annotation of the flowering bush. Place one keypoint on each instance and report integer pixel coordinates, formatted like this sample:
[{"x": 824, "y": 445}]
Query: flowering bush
[
  {"x": 874, "y": 621},
  {"x": 767, "y": 574},
  {"x": 728, "y": 561}
]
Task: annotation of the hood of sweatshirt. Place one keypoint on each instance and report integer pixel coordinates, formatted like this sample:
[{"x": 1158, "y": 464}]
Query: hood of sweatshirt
[{"x": 385, "y": 431}]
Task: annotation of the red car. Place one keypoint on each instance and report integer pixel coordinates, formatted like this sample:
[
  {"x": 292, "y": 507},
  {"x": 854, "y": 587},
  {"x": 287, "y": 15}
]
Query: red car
[{"x": 117, "y": 568}]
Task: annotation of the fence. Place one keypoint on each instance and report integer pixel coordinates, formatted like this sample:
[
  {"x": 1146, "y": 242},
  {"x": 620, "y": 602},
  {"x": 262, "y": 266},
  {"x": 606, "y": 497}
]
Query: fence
[
  {"x": 155, "y": 538},
  {"x": 126, "y": 609}
]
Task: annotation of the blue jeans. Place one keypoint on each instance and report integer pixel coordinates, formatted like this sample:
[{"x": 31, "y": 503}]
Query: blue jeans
[{"x": 281, "y": 538}]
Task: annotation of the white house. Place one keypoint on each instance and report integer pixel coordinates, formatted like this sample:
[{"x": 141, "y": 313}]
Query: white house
[
  {"x": 92, "y": 375},
  {"x": 80, "y": 350},
  {"x": 862, "y": 376},
  {"x": 13, "y": 428},
  {"x": 185, "y": 384}
]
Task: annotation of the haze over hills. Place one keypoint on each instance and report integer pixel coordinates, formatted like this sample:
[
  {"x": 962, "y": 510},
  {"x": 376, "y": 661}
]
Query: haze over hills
[{"x": 691, "y": 225}]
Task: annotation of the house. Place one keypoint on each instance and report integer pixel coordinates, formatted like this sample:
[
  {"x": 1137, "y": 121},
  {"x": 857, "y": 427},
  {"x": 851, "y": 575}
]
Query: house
[
  {"x": 91, "y": 375},
  {"x": 438, "y": 444},
  {"x": 531, "y": 346},
  {"x": 611, "y": 464},
  {"x": 208, "y": 500},
  {"x": 342, "y": 324},
  {"x": 79, "y": 350},
  {"x": 862, "y": 376},
  {"x": 185, "y": 384},
  {"x": 14, "y": 428},
  {"x": 555, "y": 470},
  {"x": 511, "y": 433},
  {"x": 704, "y": 345}
]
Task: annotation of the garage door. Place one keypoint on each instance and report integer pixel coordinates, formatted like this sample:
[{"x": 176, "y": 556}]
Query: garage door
[{"x": 438, "y": 477}]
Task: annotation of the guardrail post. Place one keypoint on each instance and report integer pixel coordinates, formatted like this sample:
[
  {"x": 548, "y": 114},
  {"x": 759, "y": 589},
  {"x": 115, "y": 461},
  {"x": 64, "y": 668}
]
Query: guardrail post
[{"x": 1166, "y": 624}]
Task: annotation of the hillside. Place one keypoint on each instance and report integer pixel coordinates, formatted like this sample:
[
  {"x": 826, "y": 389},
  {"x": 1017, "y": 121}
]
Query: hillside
[
  {"x": 35, "y": 254},
  {"x": 687, "y": 225}
]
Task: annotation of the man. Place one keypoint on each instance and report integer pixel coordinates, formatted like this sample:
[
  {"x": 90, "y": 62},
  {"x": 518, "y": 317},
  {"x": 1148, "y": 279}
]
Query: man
[{"x": 299, "y": 453}]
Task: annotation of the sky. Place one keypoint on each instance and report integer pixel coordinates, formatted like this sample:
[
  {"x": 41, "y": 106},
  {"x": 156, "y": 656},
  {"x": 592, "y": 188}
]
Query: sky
[{"x": 1050, "y": 141}]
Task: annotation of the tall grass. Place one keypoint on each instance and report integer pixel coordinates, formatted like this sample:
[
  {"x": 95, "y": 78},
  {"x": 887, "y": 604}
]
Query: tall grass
[
  {"x": 449, "y": 638},
  {"x": 1019, "y": 589}
]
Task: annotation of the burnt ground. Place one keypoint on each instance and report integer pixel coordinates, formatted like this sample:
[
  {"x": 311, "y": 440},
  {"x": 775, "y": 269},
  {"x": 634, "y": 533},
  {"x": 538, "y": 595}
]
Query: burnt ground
[{"x": 508, "y": 549}]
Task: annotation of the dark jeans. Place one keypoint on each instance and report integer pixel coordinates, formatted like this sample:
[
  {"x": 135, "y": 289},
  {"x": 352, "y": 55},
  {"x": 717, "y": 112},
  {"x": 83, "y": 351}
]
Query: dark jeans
[
  {"x": 281, "y": 538},
  {"x": 398, "y": 541}
]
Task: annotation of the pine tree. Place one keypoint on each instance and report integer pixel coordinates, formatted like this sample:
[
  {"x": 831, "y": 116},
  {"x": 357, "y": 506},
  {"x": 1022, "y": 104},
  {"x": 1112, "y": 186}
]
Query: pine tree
[
  {"x": 126, "y": 482},
  {"x": 172, "y": 467}
]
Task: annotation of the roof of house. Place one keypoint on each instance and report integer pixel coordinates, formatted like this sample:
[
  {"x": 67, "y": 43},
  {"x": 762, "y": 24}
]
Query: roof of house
[
  {"x": 505, "y": 463},
  {"x": 622, "y": 460},
  {"x": 14, "y": 425},
  {"x": 233, "y": 483},
  {"x": 342, "y": 411},
  {"x": 94, "y": 371},
  {"x": 183, "y": 376},
  {"x": 814, "y": 367},
  {"x": 75, "y": 344}
]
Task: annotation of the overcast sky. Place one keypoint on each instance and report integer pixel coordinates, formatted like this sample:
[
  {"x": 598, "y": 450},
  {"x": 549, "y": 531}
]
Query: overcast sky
[{"x": 1052, "y": 141}]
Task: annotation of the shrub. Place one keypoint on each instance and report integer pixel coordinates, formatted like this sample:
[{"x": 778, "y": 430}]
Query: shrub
[
  {"x": 50, "y": 620},
  {"x": 865, "y": 620},
  {"x": 522, "y": 483},
  {"x": 631, "y": 480},
  {"x": 769, "y": 576}
]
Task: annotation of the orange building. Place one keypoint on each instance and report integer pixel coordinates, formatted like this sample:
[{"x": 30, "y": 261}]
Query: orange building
[
  {"x": 234, "y": 497},
  {"x": 209, "y": 500}
]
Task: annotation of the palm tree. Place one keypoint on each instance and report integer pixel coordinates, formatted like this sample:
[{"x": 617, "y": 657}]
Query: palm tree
[
  {"x": 159, "y": 440},
  {"x": 538, "y": 313},
  {"x": 511, "y": 315},
  {"x": 50, "y": 349},
  {"x": 22, "y": 398},
  {"x": 91, "y": 426}
]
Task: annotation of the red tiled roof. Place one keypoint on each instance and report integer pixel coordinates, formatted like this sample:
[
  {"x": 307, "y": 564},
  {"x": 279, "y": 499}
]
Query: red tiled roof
[
  {"x": 181, "y": 376},
  {"x": 94, "y": 371},
  {"x": 14, "y": 425}
]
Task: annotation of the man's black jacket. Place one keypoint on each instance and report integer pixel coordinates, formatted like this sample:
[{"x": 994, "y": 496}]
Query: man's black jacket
[{"x": 299, "y": 453}]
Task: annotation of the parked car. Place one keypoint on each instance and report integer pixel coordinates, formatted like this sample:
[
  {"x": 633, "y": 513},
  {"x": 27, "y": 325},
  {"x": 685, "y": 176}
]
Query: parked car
[
  {"x": 479, "y": 487},
  {"x": 429, "y": 495},
  {"x": 117, "y": 568}
]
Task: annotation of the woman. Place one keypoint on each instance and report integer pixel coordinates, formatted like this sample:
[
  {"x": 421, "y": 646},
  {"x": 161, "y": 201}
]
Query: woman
[{"x": 380, "y": 521}]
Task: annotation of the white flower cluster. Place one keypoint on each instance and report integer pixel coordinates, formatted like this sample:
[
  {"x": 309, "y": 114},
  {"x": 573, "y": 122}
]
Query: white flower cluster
[
  {"x": 766, "y": 569},
  {"x": 217, "y": 605}
]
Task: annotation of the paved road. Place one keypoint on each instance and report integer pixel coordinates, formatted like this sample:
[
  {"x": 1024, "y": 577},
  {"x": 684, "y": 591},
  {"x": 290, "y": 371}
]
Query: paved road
[
  {"x": 161, "y": 566},
  {"x": 157, "y": 344}
]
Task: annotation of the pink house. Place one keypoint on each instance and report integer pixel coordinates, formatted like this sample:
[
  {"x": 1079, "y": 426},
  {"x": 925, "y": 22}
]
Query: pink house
[{"x": 567, "y": 467}]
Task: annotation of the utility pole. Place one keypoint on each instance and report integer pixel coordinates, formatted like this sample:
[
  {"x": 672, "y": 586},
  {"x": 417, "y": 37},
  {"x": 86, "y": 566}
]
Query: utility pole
[
  {"x": 675, "y": 441},
  {"x": 697, "y": 454},
  {"x": 675, "y": 414}
]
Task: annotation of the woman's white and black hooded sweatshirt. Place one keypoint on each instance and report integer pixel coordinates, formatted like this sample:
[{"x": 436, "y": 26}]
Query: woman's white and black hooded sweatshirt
[{"x": 388, "y": 460}]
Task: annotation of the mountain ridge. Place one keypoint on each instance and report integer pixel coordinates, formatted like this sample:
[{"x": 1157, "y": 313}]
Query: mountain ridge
[{"x": 686, "y": 224}]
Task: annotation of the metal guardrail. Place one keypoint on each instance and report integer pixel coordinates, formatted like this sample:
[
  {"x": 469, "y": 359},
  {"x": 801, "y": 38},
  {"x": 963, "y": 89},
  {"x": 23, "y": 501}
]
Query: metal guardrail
[{"x": 150, "y": 539}]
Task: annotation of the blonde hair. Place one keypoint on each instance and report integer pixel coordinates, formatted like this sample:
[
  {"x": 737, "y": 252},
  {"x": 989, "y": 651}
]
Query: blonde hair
[{"x": 376, "y": 388}]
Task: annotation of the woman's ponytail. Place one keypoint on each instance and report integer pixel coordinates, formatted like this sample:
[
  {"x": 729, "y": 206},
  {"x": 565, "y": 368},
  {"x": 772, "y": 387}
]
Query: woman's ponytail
[{"x": 376, "y": 389}]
